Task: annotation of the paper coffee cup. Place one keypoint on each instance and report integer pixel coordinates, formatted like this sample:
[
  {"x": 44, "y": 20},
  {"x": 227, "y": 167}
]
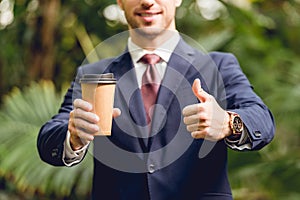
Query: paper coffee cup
[{"x": 99, "y": 90}]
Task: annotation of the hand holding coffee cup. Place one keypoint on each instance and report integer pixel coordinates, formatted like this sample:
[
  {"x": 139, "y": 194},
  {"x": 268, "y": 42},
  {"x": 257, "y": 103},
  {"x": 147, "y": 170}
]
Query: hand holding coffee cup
[{"x": 92, "y": 115}]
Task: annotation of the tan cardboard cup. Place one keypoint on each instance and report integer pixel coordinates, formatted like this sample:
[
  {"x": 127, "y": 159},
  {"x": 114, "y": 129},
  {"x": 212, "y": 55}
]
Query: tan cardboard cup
[{"x": 99, "y": 90}]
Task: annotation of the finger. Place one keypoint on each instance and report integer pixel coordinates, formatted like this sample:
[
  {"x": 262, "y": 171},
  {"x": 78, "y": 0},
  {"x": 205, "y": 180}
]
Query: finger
[
  {"x": 198, "y": 134},
  {"x": 204, "y": 133},
  {"x": 199, "y": 92},
  {"x": 116, "y": 112},
  {"x": 84, "y": 136},
  {"x": 195, "y": 119},
  {"x": 90, "y": 128},
  {"x": 88, "y": 116},
  {"x": 191, "y": 109},
  {"x": 84, "y": 105},
  {"x": 196, "y": 127}
]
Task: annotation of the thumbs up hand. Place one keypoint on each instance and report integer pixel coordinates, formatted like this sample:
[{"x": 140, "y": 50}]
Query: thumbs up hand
[{"x": 206, "y": 120}]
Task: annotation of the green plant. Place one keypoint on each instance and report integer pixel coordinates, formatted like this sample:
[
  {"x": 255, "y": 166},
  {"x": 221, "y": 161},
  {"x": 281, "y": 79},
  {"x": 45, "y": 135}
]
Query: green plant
[{"x": 21, "y": 117}]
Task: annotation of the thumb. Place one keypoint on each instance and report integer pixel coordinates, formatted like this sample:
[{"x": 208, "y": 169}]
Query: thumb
[
  {"x": 116, "y": 112},
  {"x": 199, "y": 92}
]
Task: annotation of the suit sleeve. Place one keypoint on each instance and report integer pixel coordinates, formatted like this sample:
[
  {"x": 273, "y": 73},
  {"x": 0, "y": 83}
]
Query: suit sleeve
[
  {"x": 52, "y": 135},
  {"x": 242, "y": 99}
]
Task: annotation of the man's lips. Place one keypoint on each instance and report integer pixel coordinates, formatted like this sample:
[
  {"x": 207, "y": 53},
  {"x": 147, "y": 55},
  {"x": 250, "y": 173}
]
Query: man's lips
[{"x": 148, "y": 16}]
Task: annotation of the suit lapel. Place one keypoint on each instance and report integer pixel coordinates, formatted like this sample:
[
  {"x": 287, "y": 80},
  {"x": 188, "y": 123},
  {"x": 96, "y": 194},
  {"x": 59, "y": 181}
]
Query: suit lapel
[
  {"x": 178, "y": 65},
  {"x": 128, "y": 88},
  {"x": 128, "y": 98}
]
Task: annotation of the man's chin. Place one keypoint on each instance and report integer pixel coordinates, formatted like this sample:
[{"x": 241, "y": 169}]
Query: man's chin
[{"x": 149, "y": 32}]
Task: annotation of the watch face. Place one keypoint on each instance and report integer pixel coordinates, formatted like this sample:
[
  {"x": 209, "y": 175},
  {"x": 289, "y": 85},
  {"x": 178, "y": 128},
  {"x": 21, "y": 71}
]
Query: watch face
[{"x": 237, "y": 124}]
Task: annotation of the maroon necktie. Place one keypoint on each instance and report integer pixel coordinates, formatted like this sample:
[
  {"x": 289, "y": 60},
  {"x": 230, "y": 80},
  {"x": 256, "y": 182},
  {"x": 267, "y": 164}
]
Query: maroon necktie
[{"x": 150, "y": 83}]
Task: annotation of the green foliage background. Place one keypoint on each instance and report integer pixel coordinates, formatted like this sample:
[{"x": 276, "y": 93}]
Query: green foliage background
[{"x": 264, "y": 37}]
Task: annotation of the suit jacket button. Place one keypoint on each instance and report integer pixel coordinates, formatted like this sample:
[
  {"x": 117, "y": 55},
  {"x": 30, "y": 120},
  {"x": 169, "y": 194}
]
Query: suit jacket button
[
  {"x": 257, "y": 134},
  {"x": 54, "y": 153},
  {"x": 151, "y": 168}
]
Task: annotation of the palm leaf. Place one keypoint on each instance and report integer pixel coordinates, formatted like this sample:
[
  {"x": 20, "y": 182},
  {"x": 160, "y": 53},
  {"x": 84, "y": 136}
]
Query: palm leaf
[{"x": 21, "y": 116}]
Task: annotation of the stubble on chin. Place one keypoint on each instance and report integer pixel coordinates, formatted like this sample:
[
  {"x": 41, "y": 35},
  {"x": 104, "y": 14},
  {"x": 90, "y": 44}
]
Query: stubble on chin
[{"x": 148, "y": 32}]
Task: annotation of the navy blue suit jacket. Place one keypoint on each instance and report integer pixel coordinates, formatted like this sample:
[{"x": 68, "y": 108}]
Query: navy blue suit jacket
[{"x": 166, "y": 163}]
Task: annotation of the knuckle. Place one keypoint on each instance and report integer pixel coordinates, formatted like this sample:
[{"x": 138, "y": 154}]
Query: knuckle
[
  {"x": 70, "y": 128},
  {"x": 76, "y": 102},
  {"x": 184, "y": 120},
  {"x": 187, "y": 120},
  {"x": 72, "y": 114},
  {"x": 196, "y": 134},
  {"x": 189, "y": 128},
  {"x": 184, "y": 111},
  {"x": 75, "y": 112}
]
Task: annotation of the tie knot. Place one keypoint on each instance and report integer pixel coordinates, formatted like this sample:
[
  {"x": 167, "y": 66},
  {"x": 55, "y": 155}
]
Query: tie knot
[{"x": 150, "y": 59}]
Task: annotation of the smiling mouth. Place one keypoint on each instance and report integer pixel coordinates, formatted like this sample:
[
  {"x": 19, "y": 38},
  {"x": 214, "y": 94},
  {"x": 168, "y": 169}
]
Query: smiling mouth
[{"x": 148, "y": 14}]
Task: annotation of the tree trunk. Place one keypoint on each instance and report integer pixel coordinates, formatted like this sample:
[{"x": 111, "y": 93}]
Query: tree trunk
[{"x": 43, "y": 46}]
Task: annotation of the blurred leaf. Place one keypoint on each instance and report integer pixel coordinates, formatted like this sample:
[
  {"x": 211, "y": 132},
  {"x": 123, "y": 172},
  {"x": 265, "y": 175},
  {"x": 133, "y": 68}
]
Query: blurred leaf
[{"x": 21, "y": 117}]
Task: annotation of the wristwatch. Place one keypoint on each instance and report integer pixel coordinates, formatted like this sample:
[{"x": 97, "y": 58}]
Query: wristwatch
[{"x": 236, "y": 123}]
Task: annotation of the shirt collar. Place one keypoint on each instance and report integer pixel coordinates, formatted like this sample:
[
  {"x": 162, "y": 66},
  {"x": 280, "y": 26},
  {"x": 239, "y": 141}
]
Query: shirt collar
[{"x": 164, "y": 51}]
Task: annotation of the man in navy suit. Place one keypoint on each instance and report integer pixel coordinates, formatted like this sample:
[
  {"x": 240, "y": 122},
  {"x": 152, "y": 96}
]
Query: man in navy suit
[{"x": 204, "y": 105}]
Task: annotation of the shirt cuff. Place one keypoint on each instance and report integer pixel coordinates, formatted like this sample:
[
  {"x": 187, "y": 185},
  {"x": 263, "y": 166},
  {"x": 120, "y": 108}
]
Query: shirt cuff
[
  {"x": 71, "y": 157},
  {"x": 241, "y": 143}
]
